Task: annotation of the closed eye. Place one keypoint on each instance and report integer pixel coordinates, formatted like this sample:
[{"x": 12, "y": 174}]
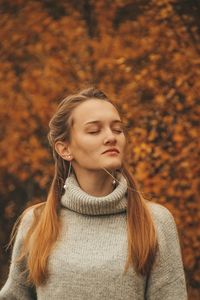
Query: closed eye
[
  {"x": 93, "y": 132},
  {"x": 116, "y": 130}
]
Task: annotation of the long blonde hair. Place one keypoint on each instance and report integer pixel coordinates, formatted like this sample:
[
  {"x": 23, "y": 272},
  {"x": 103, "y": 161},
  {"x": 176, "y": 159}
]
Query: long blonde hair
[{"x": 45, "y": 227}]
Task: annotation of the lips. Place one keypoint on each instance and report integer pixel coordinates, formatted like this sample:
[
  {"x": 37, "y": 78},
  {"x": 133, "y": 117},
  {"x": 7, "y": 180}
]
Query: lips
[{"x": 112, "y": 150}]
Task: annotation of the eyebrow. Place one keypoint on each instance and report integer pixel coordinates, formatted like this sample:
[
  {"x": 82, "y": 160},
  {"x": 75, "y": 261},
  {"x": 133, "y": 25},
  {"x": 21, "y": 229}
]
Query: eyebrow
[{"x": 98, "y": 121}]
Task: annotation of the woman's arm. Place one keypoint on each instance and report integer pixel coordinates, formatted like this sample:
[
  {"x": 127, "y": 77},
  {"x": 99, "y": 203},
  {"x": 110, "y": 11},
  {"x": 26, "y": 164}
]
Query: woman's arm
[
  {"x": 167, "y": 278},
  {"x": 16, "y": 287}
]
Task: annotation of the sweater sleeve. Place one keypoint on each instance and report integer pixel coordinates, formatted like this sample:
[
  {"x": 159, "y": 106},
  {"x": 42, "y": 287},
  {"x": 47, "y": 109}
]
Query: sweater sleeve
[
  {"x": 16, "y": 287},
  {"x": 167, "y": 278}
]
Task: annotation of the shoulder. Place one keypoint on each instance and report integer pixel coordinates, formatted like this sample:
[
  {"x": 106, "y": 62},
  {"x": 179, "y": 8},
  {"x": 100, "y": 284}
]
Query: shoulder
[
  {"x": 165, "y": 224},
  {"x": 27, "y": 218},
  {"x": 163, "y": 219},
  {"x": 160, "y": 213}
]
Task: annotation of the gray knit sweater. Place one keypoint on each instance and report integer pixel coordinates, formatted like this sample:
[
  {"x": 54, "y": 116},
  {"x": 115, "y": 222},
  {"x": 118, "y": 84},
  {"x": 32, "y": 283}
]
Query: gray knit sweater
[{"x": 88, "y": 259}]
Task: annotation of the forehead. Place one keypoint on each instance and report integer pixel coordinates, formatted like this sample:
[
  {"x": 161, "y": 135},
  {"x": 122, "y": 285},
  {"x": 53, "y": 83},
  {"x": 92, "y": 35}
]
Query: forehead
[{"x": 94, "y": 109}]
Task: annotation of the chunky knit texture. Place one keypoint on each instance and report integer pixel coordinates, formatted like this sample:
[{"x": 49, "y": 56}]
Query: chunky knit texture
[{"x": 89, "y": 256}]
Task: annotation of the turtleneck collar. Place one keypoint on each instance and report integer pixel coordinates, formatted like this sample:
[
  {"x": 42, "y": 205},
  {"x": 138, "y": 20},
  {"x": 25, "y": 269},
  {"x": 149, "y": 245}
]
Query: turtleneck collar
[{"x": 74, "y": 198}]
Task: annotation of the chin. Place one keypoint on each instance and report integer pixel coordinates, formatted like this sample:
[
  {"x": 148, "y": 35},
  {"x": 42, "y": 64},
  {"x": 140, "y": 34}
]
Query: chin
[{"x": 113, "y": 166}]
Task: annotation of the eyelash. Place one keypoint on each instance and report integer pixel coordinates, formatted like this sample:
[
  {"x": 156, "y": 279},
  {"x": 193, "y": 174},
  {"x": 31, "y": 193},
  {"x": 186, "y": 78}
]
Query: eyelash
[{"x": 93, "y": 132}]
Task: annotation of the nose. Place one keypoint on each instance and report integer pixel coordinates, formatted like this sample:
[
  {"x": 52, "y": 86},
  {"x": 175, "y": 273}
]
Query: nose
[{"x": 110, "y": 137}]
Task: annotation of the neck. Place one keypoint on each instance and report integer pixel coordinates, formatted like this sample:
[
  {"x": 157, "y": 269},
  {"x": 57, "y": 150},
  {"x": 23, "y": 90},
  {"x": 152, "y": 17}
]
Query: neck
[
  {"x": 95, "y": 183},
  {"x": 76, "y": 199}
]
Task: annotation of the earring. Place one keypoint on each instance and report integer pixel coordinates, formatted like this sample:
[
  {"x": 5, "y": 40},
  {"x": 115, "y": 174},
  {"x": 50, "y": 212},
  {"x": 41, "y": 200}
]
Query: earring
[
  {"x": 114, "y": 182},
  {"x": 68, "y": 156},
  {"x": 70, "y": 165},
  {"x": 69, "y": 170}
]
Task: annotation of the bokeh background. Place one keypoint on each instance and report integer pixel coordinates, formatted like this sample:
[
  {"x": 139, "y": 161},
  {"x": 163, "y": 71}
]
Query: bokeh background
[{"x": 145, "y": 55}]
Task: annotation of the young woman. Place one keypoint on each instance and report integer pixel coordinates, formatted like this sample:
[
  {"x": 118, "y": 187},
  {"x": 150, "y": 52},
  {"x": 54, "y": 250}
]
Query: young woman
[{"x": 95, "y": 237}]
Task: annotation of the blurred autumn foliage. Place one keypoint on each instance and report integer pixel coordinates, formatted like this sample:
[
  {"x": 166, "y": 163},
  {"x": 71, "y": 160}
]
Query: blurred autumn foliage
[{"x": 145, "y": 55}]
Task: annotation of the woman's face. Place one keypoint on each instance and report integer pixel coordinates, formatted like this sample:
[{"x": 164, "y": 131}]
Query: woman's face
[{"x": 97, "y": 127}]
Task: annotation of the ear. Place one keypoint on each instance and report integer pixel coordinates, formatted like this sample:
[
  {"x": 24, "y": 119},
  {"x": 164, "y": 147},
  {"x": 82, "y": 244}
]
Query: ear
[{"x": 63, "y": 149}]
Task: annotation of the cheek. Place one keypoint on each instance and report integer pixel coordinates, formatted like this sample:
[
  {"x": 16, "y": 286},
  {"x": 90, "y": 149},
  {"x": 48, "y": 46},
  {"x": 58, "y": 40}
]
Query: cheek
[
  {"x": 85, "y": 145},
  {"x": 122, "y": 141}
]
